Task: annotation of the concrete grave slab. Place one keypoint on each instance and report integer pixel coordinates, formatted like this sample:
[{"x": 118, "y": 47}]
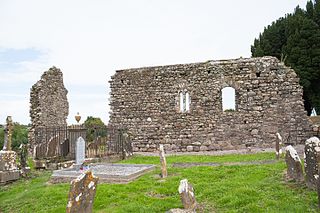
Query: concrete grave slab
[{"x": 107, "y": 173}]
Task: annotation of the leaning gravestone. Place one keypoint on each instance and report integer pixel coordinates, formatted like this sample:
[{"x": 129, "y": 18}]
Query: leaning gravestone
[
  {"x": 294, "y": 167},
  {"x": 81, "y": 194},
  {"x": 187, "y": 195},
  {"x": 80, "y": 151},
  {"x": 312, "y": 158},
  {"x": 163, "y": 162}
]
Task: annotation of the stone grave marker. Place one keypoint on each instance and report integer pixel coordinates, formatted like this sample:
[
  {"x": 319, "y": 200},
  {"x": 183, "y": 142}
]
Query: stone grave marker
[
  {"x": 187, "y": 195},
  {"x": 52, "y": 147},
  {"x": 82, "y": 193},
  {"x": 163, "y": 162},
  {"x": 294, "y": 167},
  {"x": 80, "y": 151},
  {"x": 8, "y": 167},
  {"x": 278, "y": 146},
  {"x": 312, "y": 158}
]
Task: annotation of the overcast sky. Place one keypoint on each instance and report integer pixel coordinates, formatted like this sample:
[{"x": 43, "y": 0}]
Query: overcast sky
[{"x": 89, "y": 40}]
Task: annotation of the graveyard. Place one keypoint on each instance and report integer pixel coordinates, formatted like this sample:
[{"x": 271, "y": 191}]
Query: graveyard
[
  {"x": 182, "y": 123},
  {"x": 237, "y": 188},
  {"x": 119, "y": 167}
]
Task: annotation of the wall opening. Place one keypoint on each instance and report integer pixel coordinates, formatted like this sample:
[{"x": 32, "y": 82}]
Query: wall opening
[
  {"x": 184, "y": 101},
  {"x": 228, "y": 99}
]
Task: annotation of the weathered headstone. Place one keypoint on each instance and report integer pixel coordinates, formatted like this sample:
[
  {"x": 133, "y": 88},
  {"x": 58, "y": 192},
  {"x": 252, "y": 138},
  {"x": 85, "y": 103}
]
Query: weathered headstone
[
  {"x": 82, "y": 193},
  {"x": 312, "y": 159},
  {"x": 163, "y": 162},
  {"x": 294, "y": 167},
  {"x": 80, "y": 151},
  {"x": 187, "y": 195},
  {"x": 278, "y": 146},
  {"x": 52, "y": 147},
  {"x": 8, "y": 167},
  {"x": 23, "y": 155}
]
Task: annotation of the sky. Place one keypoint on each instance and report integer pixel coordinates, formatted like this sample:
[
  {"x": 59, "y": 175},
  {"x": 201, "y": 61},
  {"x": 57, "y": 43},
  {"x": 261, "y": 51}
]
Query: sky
[{"x": 90, "y": 40}]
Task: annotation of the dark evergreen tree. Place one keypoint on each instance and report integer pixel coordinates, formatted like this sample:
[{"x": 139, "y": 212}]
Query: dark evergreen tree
[{"x": 295, "y": 40}]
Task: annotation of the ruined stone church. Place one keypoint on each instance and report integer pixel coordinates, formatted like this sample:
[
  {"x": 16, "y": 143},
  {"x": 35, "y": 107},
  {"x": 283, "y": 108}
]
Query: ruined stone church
[{"x": 180, "y": 105}]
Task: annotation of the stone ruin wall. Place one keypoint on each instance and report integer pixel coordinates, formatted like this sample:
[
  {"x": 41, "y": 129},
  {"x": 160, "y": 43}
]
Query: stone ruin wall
[
  {"x": 268, "y": 100},
  {"x": 49, "y": 105}
]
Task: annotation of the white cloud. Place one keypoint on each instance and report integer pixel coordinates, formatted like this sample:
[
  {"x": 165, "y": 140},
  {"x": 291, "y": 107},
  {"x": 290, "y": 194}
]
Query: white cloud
[{"x": 89, "y": 40}]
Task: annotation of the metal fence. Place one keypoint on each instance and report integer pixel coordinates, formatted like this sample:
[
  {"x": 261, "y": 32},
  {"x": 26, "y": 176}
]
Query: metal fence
[{"x": 59, "y": 143}]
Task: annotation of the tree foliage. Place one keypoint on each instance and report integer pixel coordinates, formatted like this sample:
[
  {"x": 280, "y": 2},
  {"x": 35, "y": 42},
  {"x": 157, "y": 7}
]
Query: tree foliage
[
  {"x": 295, "y": 40},
  {"x": 94, "y": 127},
  {"x": 19, "y": 136}
]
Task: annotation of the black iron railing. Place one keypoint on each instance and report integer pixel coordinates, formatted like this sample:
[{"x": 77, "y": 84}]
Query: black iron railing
[{"x": 58, "y": 143}]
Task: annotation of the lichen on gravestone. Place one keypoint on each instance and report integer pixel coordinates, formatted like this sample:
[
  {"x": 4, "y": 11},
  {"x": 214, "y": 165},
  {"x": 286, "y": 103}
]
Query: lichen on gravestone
[
  {"x": 163, "y": 162},
  {"x": 82, "y": 193},
  {"x": 312, "y": 160},
  {"x": 294, "y": 166}
]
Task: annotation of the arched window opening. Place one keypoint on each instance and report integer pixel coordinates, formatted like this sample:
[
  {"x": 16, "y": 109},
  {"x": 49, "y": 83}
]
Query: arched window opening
[
  {"x": 228, "y": 99},
  {"x": 181, "y": 102},
  {"x": 187, "y": 102},
  {"x": 184, "y": 101}
]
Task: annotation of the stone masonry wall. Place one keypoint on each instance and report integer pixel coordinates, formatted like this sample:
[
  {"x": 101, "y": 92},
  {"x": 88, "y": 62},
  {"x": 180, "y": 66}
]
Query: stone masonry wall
[
  {"x": 268, "y": 100},
  {"x": 49, "y": 105}
]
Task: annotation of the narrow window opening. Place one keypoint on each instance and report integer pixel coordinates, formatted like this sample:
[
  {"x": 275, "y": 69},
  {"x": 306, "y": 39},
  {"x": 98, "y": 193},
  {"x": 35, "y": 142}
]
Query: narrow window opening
[
  {"x": 187, "y": 103},
  {"x": 184, "y": 101},
  {"x": 228, "y": 99},
  {"x": 122, "y": 81},
  {"x": 181, "y": 102}
]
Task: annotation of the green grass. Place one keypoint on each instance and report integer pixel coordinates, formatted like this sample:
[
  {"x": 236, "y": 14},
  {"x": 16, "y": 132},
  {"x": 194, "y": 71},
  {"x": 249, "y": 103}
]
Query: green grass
[{"x": 247, "y": 188}]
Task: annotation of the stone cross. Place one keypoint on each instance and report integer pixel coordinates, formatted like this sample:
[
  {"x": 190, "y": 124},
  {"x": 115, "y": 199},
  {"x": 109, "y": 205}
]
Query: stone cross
[
  {"x": 82, "y": 193},
  {"x": 8, "y": 134},
  {"x": 294, "y": 167},
  {"x": 187, "y": 195},
  {"x": 163, "y": 162},
  {"x": 278, "y": 144},
  {"x": 312, "y": 159},
  {"x": 80, "y": 151}
]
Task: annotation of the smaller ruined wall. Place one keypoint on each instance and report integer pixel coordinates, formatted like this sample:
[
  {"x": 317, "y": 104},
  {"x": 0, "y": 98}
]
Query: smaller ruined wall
[{"x": 49, "y": 104}]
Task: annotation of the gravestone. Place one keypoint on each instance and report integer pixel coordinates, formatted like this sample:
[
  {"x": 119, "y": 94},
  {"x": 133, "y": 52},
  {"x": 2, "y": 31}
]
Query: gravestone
[
  {"x": 52, "y": 147},
  {"x": 8, "y": 167},
  {"x": 278, "y": 146},
  {"x": 187, "y": 195},
  {"x": 312, "y": 159},
  {"x": 163, "y": 162},
  {"x": 294, "y": 167},
  {"x": 80, "y": 151},
  {"x": 82, "y": 193}
]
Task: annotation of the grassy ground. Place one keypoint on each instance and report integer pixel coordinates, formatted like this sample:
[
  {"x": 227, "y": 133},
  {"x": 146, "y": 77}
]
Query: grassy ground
[{"x": 246, "y": 188}]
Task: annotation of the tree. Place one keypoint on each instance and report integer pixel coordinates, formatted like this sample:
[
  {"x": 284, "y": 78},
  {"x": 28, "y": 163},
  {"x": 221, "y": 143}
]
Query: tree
[
  {"x": 295, "y": 40},
  {"x": 94, "y": 127}
]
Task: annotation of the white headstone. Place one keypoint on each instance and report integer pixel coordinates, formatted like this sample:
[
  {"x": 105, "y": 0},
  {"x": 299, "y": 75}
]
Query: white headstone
[{"x": 80, "y": 151}]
